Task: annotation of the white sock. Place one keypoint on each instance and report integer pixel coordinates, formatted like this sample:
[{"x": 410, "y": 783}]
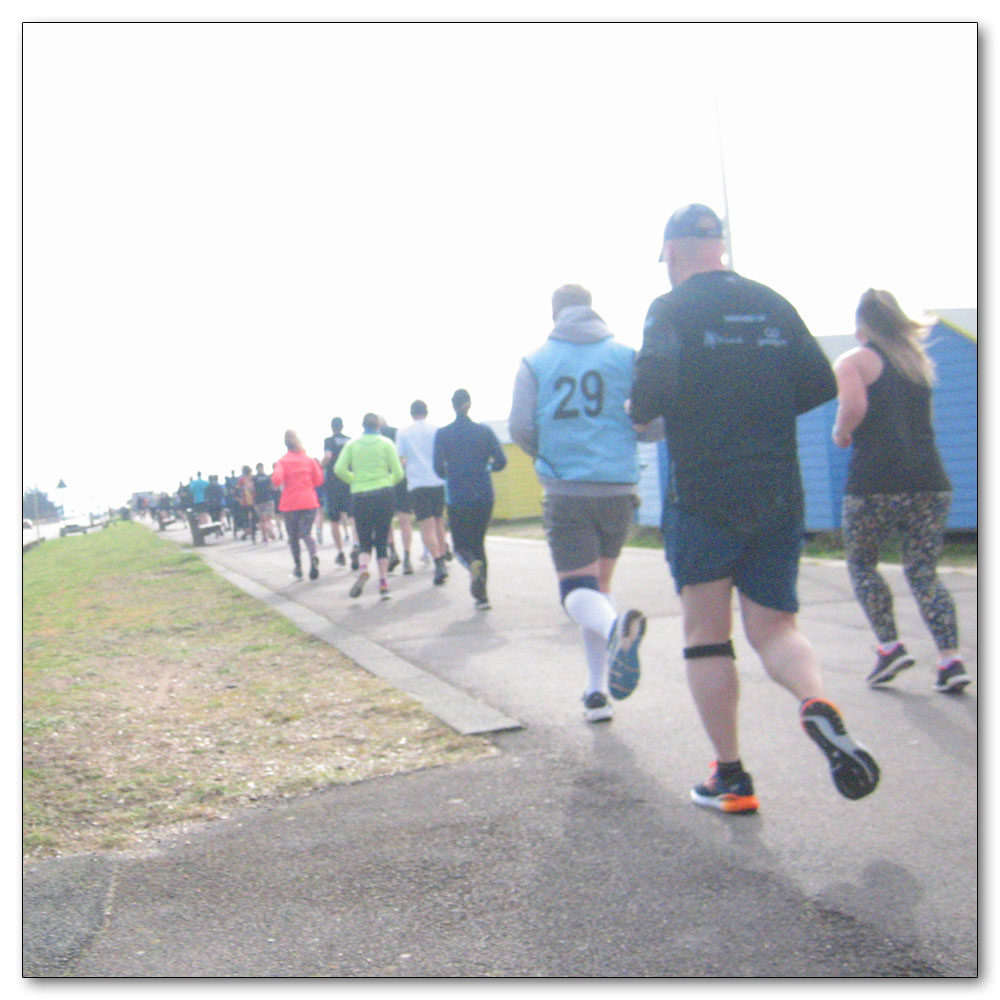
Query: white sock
[
  {"x": 595, "y": 649},
  {"x": 591, "y": 609}
]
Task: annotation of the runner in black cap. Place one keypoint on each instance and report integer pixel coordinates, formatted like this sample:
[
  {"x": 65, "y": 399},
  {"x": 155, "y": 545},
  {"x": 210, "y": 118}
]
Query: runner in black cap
[{"x": 729, "y": 365}]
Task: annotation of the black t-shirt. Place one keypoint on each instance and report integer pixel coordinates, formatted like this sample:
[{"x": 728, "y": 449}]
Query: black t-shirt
[
  {"x": 263, "y": 488},
  {"x": 730, "y": 365},
  {"x": 333, "y": 446}
]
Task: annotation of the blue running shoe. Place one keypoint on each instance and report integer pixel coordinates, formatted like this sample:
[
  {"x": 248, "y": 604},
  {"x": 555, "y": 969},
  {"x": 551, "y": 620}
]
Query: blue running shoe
[{"x": 623, "y": 653}]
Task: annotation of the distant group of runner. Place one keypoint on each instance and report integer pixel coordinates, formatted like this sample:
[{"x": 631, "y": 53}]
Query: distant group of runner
[{"x": 360, "y": 487}]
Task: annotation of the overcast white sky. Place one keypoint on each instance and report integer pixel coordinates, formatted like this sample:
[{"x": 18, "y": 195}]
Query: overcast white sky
[{"x": 231, "y": 229}]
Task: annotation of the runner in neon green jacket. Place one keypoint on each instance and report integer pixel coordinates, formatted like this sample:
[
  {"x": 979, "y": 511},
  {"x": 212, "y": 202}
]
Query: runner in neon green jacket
[
  {"x": 369, "y": 462},
  {"x": 371, "y": 466}
]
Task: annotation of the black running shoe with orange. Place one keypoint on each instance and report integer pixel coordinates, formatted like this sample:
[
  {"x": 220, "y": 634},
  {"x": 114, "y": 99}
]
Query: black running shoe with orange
[
  {"x": 855, "y": 773},
  {"x": 734, "y": 796}
]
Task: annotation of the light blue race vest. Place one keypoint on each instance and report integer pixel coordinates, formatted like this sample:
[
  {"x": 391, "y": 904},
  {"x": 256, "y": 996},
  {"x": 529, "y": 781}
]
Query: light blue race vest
[{"x": 584, "y": 434}]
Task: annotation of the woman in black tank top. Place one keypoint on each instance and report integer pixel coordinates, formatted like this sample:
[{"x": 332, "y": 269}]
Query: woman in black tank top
[{"x": 896, "y": 483}]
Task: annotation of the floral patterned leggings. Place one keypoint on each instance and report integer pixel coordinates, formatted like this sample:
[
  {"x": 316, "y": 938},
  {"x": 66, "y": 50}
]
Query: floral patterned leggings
[{"x": 918, "y": 519}]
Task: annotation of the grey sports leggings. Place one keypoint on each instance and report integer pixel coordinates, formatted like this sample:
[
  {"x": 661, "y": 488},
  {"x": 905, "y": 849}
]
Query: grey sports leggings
[
  {"x": 299, "y": 526},
  {"x": 918, "y": 519}
]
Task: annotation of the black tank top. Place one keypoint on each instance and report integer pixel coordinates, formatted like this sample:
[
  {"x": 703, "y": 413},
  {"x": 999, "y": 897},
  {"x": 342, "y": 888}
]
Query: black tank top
[{"x": 894, "y": 449}]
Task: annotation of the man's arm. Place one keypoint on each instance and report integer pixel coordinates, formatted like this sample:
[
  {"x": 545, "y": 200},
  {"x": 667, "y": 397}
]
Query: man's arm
[
  {"x": 521, "y": 422},
  {"x": 651, "y": 432},
  {"x": 815, "y": 382},
  {"x": 497, "y": 457},
  {"x": 395, "y": 466},
  {"x": 342, "y": 469},
  {"x": 402, "y": 447},
  {"x": 655, "y": 375},
  {"x": 440, "y": 453}
]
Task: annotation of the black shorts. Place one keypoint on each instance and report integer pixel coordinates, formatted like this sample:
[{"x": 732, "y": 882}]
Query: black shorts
[
  {"x": 428, "y": 501},
  {"x": 338, "y": 499},
  {"x": 402, "y": 495}
]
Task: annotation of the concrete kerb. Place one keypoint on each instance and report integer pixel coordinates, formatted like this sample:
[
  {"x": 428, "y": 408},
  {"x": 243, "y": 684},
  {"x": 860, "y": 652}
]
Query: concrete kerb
[{"x": 463, "y": 713}]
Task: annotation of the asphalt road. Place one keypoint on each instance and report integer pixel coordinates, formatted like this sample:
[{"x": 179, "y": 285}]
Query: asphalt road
[{"x": 574, "y": 852}]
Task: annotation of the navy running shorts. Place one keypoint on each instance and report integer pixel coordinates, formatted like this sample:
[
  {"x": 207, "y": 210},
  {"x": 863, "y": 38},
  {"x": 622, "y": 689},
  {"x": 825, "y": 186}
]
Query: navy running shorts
[{"x": 763, "y": 565}]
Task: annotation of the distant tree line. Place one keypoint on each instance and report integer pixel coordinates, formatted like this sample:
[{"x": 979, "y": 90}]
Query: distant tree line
[{"x": 37, "y": 506}]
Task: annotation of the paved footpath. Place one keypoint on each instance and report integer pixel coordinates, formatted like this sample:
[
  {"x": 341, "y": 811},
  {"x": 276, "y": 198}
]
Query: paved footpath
[{"x": 574, "y": 852}]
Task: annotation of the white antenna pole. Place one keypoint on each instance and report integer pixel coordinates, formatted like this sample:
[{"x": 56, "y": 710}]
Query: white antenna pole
[{"x": 727, "y": 230}]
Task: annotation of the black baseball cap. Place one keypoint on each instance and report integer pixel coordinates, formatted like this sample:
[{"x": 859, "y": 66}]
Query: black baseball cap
[{"x": 692, "y": 220}]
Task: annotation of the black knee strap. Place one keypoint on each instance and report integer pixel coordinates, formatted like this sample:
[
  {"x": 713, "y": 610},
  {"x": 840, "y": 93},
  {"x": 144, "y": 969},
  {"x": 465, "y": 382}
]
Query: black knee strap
[
  {"x": 718, "y": 649},
  {"x": 570, "y": 583}
]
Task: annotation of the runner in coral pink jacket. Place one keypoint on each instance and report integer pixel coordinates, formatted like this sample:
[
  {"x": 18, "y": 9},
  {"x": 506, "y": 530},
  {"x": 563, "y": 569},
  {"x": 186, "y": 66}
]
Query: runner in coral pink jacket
[{"x": 299, "y": 475}]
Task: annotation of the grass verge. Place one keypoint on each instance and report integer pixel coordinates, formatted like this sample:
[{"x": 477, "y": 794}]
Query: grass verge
[{"x": 154, "y": 693}]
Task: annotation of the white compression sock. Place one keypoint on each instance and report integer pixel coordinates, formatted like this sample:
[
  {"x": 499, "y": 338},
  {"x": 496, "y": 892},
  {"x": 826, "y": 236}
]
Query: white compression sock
[
  {"x": 591, "y": 609},
  {"x": 595, "y": 614},
  {"x": 595, "y": 650}
]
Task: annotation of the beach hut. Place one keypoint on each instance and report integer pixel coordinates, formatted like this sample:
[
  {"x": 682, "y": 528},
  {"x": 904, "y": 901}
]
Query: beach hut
[{"x": 518, "y": 494}]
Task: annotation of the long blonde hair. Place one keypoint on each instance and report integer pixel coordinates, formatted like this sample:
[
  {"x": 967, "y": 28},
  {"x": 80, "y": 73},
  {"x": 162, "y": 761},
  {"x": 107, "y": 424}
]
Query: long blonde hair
[
  {"x": 900, "y": 338},
  {"x": 292, "y": 442}
]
